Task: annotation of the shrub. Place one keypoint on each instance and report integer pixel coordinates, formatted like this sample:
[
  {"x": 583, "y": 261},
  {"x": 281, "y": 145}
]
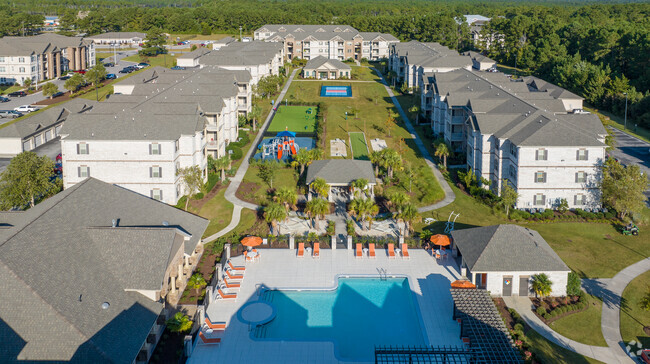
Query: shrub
[
  {"x": 546, "y": 316},
  {"x": 514, "y": 314},
  {"x": 554, "y": 313},
  {"x": 573, "y": 307},
  {"x": 547, "y": 214},
  {"x": 541, "y": 310},
  {"x": 236, "y": 152},
  {"x": 198, "y": 196},
  {"x": 519, "y": 327},
  {"x": 573, "y": 284}
]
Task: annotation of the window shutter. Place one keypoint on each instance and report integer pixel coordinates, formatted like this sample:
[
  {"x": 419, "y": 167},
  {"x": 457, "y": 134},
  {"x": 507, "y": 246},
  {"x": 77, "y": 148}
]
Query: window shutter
[
  {"x": 150, "y": 149},
  {"x": 159, "y": 172},
  {"x": 78, "y": 149},
  {"x": 575, "y": 199},
  {"x": 543, "y": 199},
  {"x": 79, "y": 171},
  {"x": 159, "y": 148},
  {"x": 151, "y": 193},
  {"x": 577, "y": 177},
  {"x": 87, "y": 171},
  {"x": 544, "y": 177},
  {"x": 545, "y": 154},
  {"x": 578, "y": 154},
  {"x": 161, "y": 195},
  {"x": 586, "y": 155},
  {"x": 87, "y": 149},
  {"x": 150, "y": 172}
]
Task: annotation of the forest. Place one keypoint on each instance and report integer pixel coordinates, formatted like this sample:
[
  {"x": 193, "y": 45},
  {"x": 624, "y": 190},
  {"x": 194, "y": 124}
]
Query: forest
[{"x": 600, "y": 50}]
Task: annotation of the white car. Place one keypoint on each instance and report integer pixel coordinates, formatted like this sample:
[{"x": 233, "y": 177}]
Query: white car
[{"x": 25, "y": 108}]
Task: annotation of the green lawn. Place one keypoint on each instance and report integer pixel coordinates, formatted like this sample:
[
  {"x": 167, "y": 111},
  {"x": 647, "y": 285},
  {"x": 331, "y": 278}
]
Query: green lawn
[
  {"x": 294, "y": 118},
  {"x": 549, "y": 353},
  {"x": 633, "y": 318},
  {"x": 593, "y": 250},
  {"x": 359, "y": 146},
  {"x": 9, "y": 89},
  {"x": 285, "y": 177},
  {"x": 361, "y": 73},
  {"x": 219, "y": 211},
  {"x": 162, "y": 60},
  {"x": 583, "y": 327},
  {"x": 372, "y": 104}
]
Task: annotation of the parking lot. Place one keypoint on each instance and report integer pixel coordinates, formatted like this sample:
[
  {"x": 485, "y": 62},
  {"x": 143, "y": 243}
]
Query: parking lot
[{"x": 630, "y": 150}]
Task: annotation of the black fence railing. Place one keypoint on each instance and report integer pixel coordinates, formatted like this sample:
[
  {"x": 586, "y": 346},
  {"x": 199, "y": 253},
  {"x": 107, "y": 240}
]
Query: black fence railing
[{"x": 424, "y": 354}]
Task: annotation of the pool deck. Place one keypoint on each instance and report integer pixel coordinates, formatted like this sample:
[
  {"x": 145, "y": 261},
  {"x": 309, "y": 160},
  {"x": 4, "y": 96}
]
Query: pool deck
[{"x": 280, "y": 268}]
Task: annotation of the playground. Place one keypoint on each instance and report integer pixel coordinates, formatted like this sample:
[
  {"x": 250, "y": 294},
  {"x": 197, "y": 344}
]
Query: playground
[
  {"x": 336, "y": 91},
  {"x": 299, "y": 119},
  {"x": 282, "y": 146}
]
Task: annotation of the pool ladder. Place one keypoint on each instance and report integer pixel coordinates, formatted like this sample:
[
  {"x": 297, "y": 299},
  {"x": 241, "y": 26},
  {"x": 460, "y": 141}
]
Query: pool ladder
[{"x": 383, "y": 275}]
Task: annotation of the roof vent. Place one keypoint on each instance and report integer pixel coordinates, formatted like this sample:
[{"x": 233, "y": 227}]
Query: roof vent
[
  {"x": 165, "y": 223},
  {"x": 105, "y": 305},
  {"x": 114, "y": 223}
]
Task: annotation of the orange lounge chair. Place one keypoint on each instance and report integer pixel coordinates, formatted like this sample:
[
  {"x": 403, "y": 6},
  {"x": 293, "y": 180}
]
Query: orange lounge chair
[
  {"x": 226, "y": 296},
  {"x": 301, "y": 250},
  {"x": 316, "y": 253},
  {"x": 236, "y": 276},
  {"x": 371, "y": 250},
  {"x": 235, "y": 267},
  {"x": 205, "y": 340},
  {"x": 391, "y": 251},
  {"x": 215, "y": 325},
  {"x": 358, "y": 252},
  {"x": 405, "y": 251},
  {"x": 232, "y": 284}
]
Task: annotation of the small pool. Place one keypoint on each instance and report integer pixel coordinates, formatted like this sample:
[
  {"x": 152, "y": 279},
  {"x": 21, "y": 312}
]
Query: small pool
[
  {"x": 359, "y": 314},
  {"x": 336, "y": 91}
]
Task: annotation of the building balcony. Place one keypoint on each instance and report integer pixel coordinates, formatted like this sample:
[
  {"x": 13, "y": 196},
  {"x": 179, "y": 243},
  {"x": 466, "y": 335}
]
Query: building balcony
[
  {"x": 458, "y": 119},
  {"x": 456, "y": 137}
]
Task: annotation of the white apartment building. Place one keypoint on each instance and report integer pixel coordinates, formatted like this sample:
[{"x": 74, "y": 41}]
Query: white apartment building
[
  {"x": 42, "y": 57},
  {"x": 119, "y": 38},
  {"x": 339, "y": 42},
  {"x": 521, "y": 131}
]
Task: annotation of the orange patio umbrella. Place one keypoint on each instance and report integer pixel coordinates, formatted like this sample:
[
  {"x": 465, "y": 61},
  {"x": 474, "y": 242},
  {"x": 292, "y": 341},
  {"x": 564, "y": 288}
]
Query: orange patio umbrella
[
  {"x": 251, "y": 241},
  {"x": 462, "y": 283},
  {"x": 441, "y": 240}
]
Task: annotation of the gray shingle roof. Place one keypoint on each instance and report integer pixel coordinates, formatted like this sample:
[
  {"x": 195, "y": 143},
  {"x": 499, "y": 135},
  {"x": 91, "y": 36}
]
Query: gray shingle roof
[
  {"x": 242, "y": 54},
  {"x": 319, "y": 61},
  {"x": 119, "y": 35},
  {"x": 38, "y": 122},
  {"x": 506, "y": 248},
  {"x": 42, "y": 43},
  {"x": 64, "y": 259},
  {"x": 340, "y": 171},
  {"x": 321, "y": 32}
]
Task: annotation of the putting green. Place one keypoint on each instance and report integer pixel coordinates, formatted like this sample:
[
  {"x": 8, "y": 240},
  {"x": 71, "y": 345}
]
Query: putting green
[
  {"x": 294, "y": 118},
  {"x": 359, "y": 146}
]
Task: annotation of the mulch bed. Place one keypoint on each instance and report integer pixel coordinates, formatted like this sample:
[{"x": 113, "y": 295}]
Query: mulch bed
[
  {"x": 206, "y": 268},
  {"x": 246, "y": 192},
  {"x": 169, "y": 348},
  {"x": 548, "y": 304},
  {"x": 66, "y": 95}
]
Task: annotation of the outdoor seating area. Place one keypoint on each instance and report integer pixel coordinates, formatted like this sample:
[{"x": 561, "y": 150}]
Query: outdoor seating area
[{"x": 302, "y": 250}]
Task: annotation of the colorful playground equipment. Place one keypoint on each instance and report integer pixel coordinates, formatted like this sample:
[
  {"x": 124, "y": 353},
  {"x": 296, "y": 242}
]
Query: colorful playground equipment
[{"x": 283, "y": 142}]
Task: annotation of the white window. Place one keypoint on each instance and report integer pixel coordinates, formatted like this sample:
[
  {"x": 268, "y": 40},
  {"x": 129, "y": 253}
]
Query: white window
[
  {"x": 157, "y": 194},
  {"x": 579, "y": 199},
  {"x": 154, "y": 149},
  {"x": 155, "y": 172},
  {"x": 581, "y": 177},
  {"x": 540, "y": 177},
  {"x": 82, "y": 148},
  {"x": 540, "y": 199},
  {"x": 2, "y": 69},
  {"x": 541, "y": 155},
  {"x": 21, "y": 59},
  {"x": 83, "y": 171},
  {"x": 21, "y": 69},
  {"x": 582, "y": 155}
]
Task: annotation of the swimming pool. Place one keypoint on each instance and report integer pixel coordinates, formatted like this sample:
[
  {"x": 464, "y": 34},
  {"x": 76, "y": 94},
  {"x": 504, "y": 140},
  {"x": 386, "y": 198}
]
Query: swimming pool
[
  {"x": 359, "y": 314},
  {"x": 336, "y": 91}
]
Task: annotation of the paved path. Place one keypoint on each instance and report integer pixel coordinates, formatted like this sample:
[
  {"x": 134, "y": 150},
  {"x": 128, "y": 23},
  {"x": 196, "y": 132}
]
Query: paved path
[
  {"x": 241, "y": 171},
  {"x": 449, "y": 193}
]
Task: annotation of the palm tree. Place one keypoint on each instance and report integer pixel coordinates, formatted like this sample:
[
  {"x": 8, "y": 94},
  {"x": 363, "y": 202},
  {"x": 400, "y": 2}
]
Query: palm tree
[
  {"x": 196, "y": 282},
  {"x": 316, "y": 154},
  {"x": 303, "y": 157},
  {"x": 399, "y": 199},
  {"x": 363, "y": 210},
  {"x": 359, "y": 185},
  {"x": 317, "y": 208},
  {"x": 221, "y": 164},
  {"x": 409, "y": 215},
  {"x": 274, "y": 213},
  {"x": 392, "y": 160},
  {"x": 356, "y": 209},
  {"x": 376, "y": 158},
  {"x": 255, "y": 113},
  {"x": 321, "y": 187},
  {"x": 541, "y": 285},
  {"x": 179, "y": 323},
  {"x": 286, "y": 196},
  {"x": 371, "y": 211},
  {"x": 442, "y": 151}
]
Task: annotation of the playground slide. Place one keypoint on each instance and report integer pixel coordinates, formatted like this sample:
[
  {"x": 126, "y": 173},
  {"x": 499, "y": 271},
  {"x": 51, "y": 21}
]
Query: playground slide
[
  {"x": 280, "y": 153},
  {"x": 293, "y": 148}
]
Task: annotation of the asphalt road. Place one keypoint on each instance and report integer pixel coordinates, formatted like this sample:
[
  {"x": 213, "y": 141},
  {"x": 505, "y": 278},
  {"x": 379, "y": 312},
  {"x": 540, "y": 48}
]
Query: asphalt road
[{"x": 630, "y": 150}]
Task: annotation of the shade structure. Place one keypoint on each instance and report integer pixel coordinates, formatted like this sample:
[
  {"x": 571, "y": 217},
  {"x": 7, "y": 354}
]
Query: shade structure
[
  {"x": 462, "y": 283},
  {"x": 441, "y": 240},
  {"x": 286, "y": 133},
  {"x": 251, "y": 241}
]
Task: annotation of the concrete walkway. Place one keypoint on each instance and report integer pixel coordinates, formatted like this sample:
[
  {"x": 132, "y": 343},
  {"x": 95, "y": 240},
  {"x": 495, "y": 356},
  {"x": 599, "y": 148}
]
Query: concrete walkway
[
  {"x": 449, "y": 193},
  {"x": 231, "y": 191}
]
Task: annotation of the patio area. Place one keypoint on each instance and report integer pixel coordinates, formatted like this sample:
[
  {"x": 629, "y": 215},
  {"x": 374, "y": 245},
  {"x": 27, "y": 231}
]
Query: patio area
[{"x": 280, "y": 268}]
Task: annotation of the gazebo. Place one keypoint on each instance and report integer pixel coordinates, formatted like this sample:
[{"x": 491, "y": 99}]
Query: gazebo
[{"x": 341, "y": 173}]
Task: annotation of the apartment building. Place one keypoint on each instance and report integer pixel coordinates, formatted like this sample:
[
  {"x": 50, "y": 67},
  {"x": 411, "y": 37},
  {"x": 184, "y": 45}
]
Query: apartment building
[
  {"x": 152, "y": 127},
  {"x": 339, "y": 42},
  {"x": 91, "y": 275},
  {"x": 527, "y": 132},
  {"x": 119, "y": 38},
  {"x": 43, "y": 57},
  {"x": 411, "y": 61}
]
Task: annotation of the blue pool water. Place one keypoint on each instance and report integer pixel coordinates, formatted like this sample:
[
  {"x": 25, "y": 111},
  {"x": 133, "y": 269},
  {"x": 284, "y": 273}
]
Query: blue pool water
[
  {"x": 336, "y": 91},
  {"x": 359, "y": 314}
]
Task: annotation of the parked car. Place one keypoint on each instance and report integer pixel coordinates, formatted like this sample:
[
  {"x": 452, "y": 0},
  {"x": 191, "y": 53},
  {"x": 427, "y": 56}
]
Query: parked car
[
  {"x": 126, "y": 70},
  {"x": 18, "y": 94},
  {"x": 178, "y": 68},
  {"x": 180, "y": 43},
  {"x": 143, "y": 64},
  {"x": 12, "y": 114},
  {"x": 63, "y": 78},
  {"x": 109, "y": 64},
  {"x": 25, "y": 108},
  {"x": 111, "y": 76},
  {"x": 81, "y": 72},
  {"x": 4, "y": 99},
  {"x": 60, "y": 93}
]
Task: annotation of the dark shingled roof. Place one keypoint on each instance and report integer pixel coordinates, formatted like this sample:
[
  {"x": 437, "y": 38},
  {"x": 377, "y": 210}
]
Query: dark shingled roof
[
  {"x": 340, "y": 171},
  {"x": 319, "y": 61},
  {"x": 506, "y": 248},
  {"x": 60, "y": 260}
]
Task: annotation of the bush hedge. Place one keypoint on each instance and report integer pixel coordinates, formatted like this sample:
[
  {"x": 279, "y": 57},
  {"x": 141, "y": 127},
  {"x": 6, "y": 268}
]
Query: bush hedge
[{"x": 236, "y": 151}]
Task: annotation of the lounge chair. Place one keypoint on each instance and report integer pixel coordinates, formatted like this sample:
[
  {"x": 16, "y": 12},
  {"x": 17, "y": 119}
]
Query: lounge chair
[
  {"x": 391, "y": 251},
  {"x": 239, "y": 268},
  {"x": 233, "y": 276},
  {"x": 358, "y": 253},
  {"x": 226, "y": 296},
  {"x": 206, "y": 340},
  {"x": 371, "y": 250},
  {"x": 215, "y": 325},
  {"x": 316, "y": 253},
  {"x": 301, "y": 250},
  {"x": 234, "y": 285},
  {"x": 405, "y": 251}
]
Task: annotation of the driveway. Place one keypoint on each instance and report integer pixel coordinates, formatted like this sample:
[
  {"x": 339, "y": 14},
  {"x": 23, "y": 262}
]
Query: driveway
[{"x": 630, "y": 150}]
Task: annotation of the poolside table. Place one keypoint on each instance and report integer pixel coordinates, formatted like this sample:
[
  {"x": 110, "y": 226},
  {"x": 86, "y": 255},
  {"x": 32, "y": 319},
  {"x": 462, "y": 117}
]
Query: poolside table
[
  {"x": 365, "y": 251},
  {"x": 398, "y": 251}
]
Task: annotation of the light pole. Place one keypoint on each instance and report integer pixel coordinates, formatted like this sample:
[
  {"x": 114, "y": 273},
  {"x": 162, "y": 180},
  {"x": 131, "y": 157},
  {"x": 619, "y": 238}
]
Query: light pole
[
  {"x": 625, "y": 123},
  {"x": 240, "y": 33}
]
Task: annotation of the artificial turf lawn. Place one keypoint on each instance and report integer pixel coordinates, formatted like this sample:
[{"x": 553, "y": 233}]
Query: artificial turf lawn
[
  {"x": 359, "y": 146},
  {"x": 294, "y": 118}
]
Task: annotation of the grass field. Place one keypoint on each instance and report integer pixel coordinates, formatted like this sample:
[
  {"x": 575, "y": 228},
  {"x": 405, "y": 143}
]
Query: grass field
[
  {"x": 294, "y": 118},
  {"x": 361, "y": 73},
  {"x": 633, "y": 318},
  {"x": 284, "y": 177},
  {"x": 583, "y": 327},
  {"x": 547, "y": 352},
  {"x": 162, "y": 60},
  {"x": 359, "y": 146},
  {"x": 219, "y": 211}
]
